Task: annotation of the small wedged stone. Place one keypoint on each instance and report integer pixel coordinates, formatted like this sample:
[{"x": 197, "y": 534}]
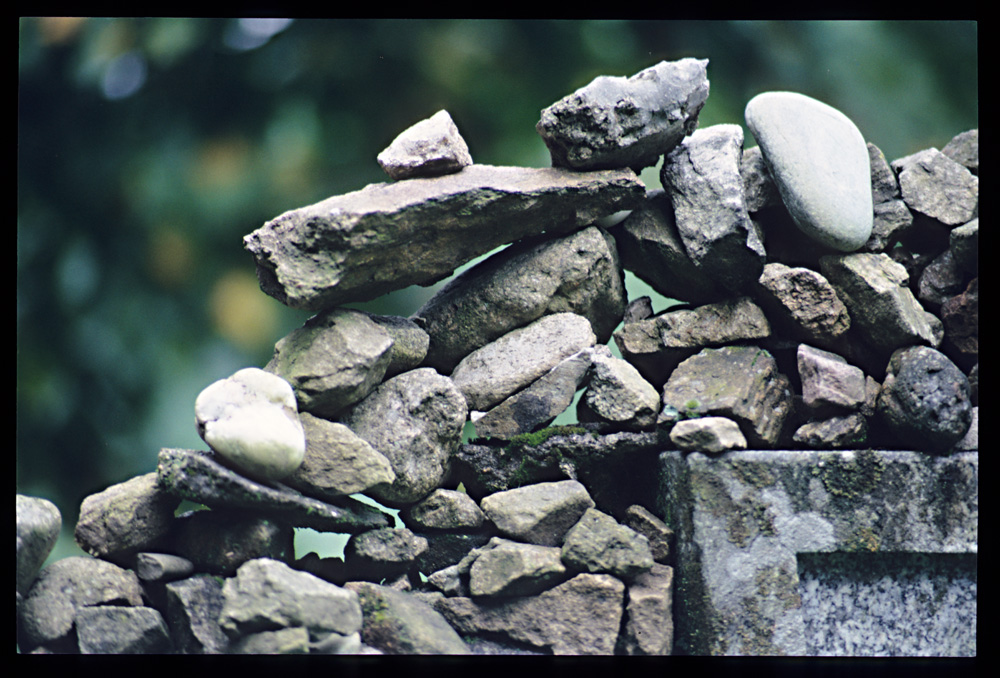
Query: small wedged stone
[
  {"x": 617, "y": 394},
  {"x": 702, "y": 177},
  {"x": 444, "y": 510},
  {"x": 292, "y": 640},
  {"x": 577, "y": 273},
  {"x": 710, "y": 435},
  {"x": 414, "y": 420},
  {"x": 514, "y": 569},
  {"x": 538, "y": 514},
  {"x": 940, "y": 280},
  {"x": 382, "y": 554},
  {"x": 38, "y": 525},
  {"x": 837, "y": 433},
  {"x": 828, "y": 380},
  {"x": 114, "y": 629},
  {"x": 199, "y": 477},
  {"x": 933, "y": 184},
  {"x": 335, "y": 252},
  {"x": 885, "y": 187},
  {"x": 803, "y": 302},
  {"x": 251, "y": 419},
  {"x": 334, "y": 360},
  {"x": 597, "y": 543},
  {"x": 162, "y": 567},
  {"x": 626, "y": 122},
  {"x": 759, "y": 189},
  {"x": 490, "y": 374},
  {"x": 960, "y": 317},
  {"x": 891, "y": 222},
  {"x": 409, "y": 343},
  {"x": 429, "y": 148},
  {"x": 219, "y": 541},
  {"x": 659, "y": 535},
  {"x": 193, "y": 608},
  {"x": 820, "y": 163},
  {"x": 398, "y": 623},
  {"x": 963, "y": 241}
]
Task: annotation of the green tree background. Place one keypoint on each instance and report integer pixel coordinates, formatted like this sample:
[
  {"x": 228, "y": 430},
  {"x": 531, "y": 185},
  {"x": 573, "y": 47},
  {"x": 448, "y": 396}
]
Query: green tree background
[{"x": 147, "y": 148}]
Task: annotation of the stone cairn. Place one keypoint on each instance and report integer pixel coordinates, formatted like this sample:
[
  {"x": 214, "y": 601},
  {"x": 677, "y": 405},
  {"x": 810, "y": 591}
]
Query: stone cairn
[{"x": 831, "y": 302}]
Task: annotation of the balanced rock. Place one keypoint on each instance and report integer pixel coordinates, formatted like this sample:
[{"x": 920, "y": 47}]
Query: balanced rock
[
  {"x": 626, "y": 122},
  {"x": 577, "y": 273},
  {"x": 490, "y": 374},
  {"x": 538, "y": 514},
  {"x": 708, "y": 434},
  {"x": 429, "y": 148},
  {"x": 335, "y": 251},
  {"x": 702, "y": 177},
  {"x": 334, "y": 360},
  {"x": 415, "y": 420},
  {"x": 935, "y": 185},
  {"x": 925, "y": 399},
  {"x": 38, "y": 524},
  {"x": 820, "y": 163},
  {"x": 251, "y": 420}
]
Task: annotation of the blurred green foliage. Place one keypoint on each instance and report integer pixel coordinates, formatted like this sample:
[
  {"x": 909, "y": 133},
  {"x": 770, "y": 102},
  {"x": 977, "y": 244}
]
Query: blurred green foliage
[{"x": 147, "y": 148}]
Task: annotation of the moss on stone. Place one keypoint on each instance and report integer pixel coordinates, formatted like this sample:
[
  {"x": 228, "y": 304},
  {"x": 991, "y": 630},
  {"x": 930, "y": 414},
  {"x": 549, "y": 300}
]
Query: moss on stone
[{"x": 854, "y": 478}]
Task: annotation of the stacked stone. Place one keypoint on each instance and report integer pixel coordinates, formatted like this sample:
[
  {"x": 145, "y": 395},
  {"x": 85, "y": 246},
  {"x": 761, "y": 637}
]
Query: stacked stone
[{"x": 803, "y": 324}]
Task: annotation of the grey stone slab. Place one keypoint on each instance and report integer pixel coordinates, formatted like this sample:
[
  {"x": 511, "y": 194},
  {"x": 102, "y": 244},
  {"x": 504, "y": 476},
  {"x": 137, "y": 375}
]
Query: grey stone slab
[{"x": 747, "y": 522}]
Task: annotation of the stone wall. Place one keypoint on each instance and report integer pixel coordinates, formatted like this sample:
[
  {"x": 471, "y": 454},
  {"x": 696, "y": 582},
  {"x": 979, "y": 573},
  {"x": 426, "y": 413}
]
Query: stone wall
[{"x": 829, "y": 306}]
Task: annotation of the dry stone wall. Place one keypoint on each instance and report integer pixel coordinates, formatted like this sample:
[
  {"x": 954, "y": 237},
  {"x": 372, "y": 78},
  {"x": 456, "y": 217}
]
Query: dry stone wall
[{"x": 829, "y": 300}]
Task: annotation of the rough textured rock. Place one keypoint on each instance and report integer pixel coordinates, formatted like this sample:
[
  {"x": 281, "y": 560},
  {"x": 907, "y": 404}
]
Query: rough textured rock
[
  {"x": 739, "y": 382},
  {"x": 409, "y": 343},
  {"x": 221, "y": 540},
  {"x": 843, "y": 432},
  {"x": 338, "y": 462},
  {"x": 885, "y": 187},
  {"x": 579, "y": 617},
  {"x": 702, "y": 177},
  {"x": 334, "y": 252},
  {"x": 828, "y": 380},
  {"x": 759, "y": 189},
  {"x": 397, "y": 623},
  {"x": 38, "y": 524},
  {"x": 444, "y": 510},
  {"x": 489, "y": 375},
  {"x": 649, "y": 629},
  {"x": 415, "y": 420},
  {"x": 650, "y": 246},
  {"x": 892, "y": 221},
  {"x": 710, "y": 435},
  {"x": 162, "y": 567},
  {"x": 125, "y": 518},
  {"x": 294, "y": 640},
  {"x": 960, "y": 316},
  {"x": 334, "y": 360},
  {"x": 935, "y": 185},
  {"x": 538, "y": 514},
  {"x": 963, "y": 242},
  {"x": 578, "y": 273},
  {"x": 597, "y": 543},
  {"x": 197, "y": 476},
  {"x": 513, "y": 569},
  {"x": 925, "y": 399},
  {"x": 251, "y": 420},
  {"x": 266, "y": 594},
  {"x": 618, "y": 395},
  {"x": 193, "y": 608},
  {"x": 626, "y": 122},
  {"x": 114, "y": 629},
  {"x": 964, "y": 149},
  {"x": 656, "y": 532},
  {"x": 803, "y": 303},
  {"x": 820, "y": 163},
  {"x": 429, "y": 148},
  {"x": 382, "y": 554},
  {"x": 940, "y": 280}
]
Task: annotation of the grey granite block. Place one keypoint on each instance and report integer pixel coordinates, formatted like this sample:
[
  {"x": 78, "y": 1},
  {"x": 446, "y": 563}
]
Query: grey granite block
[{"x": 823, "y": 553}]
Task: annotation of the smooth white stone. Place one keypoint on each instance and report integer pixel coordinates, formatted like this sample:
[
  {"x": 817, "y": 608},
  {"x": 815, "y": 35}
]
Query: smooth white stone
[
  {"x": 820, "y": 163},
  {"x": 251, "y": 419}
]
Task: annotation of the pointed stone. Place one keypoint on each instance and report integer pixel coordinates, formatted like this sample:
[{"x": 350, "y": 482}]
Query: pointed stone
[
  {"x": 819, "y": 160},
  {"x": 429, "y": 148}
]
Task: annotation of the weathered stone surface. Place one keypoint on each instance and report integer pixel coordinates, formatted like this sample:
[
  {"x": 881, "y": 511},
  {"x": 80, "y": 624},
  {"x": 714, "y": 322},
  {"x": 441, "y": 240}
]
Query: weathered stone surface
[
  {"x": 828, "y": 380},
  {"x": 489, "y": 375},
  {"x": 885, "y": 187},
  {"x": 382, "y": 554},
  {"x": 125, "y": 518},
  {"x": 964, "y": 246},
  {"x": 429, "y": 148},
  {"x": 65, "y": 587},
  {"x": 409, "y": 343},
  {"x": 882, "y": 307},
  {"x": 579, "y": 617},
  {"x": 538, "y": 514},
  {"x": 964, "y": 149},
  {"x": 891, "y": 222},
  {"x": 415, "y": 420},
  {"x": 334, "y": 252},
  {"x": 640, "y": 343},
  {"x": 251, "y": 420},
  {"x": 960, "y": 316},
  {"x": 971, "y": 439},
  {"x": 935, "y": 185},
  {"x": 649, "y": 629},
  {"x": 820, "y": 163},
  {"x": 845, "y": 432},
  {"x": 338, "y": 462},
  {"x": 114, "y": 629},
  {"x": 626, "y": 122},
  {"x": 597, "y": 543},
  {"x": 925, "y": 399},
  {"x": 397, "y": 623},
  {"x": 759, "y": 189},
  {"x": 38, "y": 524},
  {"x": 162, "y": 567},
  {"x": 650, "y": 246},
  {"x": 617, "y": 394},
  {"x": 656, "y": 532},
  {"x": 444, "y": 510},
  {"x": 739, "y": 382},
  {"x": 266, "y": 594},
  {"x": 447, "y": 549},
  {"x": 294, "y": 640},
  {"x": 940, "y": 280},
  {"x": 334, "y": 360},
  {"x": 221, "y": 540},
  {"x": 702, "y": 177},
  {"x": 708, "y": 434},
  {"x": 803, "y": 303},
  {"x": 193, "y": 608},
  {"x": 514, "y": 569},
  {"x": 537, "y": 404},
  {"x": 197, "y": 476},
  {"x": 578, "y": 273}
]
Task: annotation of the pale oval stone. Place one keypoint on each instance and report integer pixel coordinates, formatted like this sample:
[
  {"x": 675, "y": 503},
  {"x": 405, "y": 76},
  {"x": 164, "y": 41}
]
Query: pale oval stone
[
  {"x": 820, "y": 163},
  {"x": 251, "y": 420}
]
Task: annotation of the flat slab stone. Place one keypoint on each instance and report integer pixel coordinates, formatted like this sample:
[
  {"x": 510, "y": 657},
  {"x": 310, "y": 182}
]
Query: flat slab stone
[
  {"x": 757, "y": 533},
  {"x": 335, "y": 251},
  {"x": 819, "y": 161}
]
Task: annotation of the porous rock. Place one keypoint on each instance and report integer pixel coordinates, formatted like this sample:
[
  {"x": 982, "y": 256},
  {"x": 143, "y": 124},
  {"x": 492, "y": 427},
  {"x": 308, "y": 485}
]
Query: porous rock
[
  {"x": 334, "y": 252},
  {"x": 626, "y": 122},
  {"x": 538, "y": 514},
  {"x": 38, "y": 524},
  {"x": 429, "y": 148}
]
